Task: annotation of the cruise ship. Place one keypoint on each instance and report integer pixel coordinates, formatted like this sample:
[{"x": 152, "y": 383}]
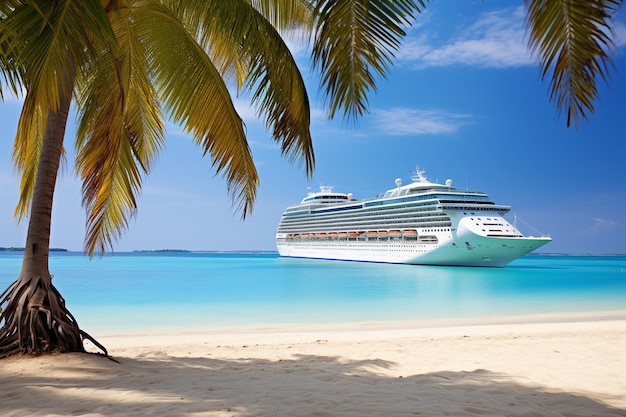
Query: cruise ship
[{"x": 422, "y": 223}]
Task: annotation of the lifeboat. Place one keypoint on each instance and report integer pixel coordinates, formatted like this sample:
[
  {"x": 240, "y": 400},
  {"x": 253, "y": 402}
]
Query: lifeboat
[
  {"x": 372, "y": 234},
  {"x": 333, "y": 235},
  {"x": 409, "y": 233},
  {"x": 395, "y": 233},
  {"x": 343, "y": 235}
]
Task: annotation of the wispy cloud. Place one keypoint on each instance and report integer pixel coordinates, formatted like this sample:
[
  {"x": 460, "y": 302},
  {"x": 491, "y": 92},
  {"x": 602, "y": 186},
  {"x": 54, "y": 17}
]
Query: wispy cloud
[
  {"x": 600, "y": 225},
  {"x": 402, "y": 121},
  {"x": 496, "y": 40}
]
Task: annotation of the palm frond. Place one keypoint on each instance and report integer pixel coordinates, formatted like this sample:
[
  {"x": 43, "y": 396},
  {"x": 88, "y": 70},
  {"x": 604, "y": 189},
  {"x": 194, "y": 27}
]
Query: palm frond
[
  {"x": 201, "y": 18},
  {"x": 240, "y": 34},
  {"x": 285, "y": 14},
  {"x": 42, "y": 41},
  {"x": 196, "y": 96},
  {"x": 120, "y": 133},
  {"x": 279, "y": 91},
  {"x": 11, "y": 72},
  {"x": 39, "y": 35},
  {"x": 245, "y": 45},
  {"x": 572, "y": 40},
  {"x": 354, "y": 43},
  {"x": 9, "y": 48},
  {"x": 27, "y": 149}
]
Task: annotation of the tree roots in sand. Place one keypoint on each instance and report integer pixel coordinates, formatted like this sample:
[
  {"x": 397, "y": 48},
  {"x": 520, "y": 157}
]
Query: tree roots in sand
[{"x": 35, "y": 321}]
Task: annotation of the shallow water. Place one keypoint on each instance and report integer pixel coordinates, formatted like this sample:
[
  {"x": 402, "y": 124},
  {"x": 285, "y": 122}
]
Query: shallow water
[{"x": 150, "y": 291}]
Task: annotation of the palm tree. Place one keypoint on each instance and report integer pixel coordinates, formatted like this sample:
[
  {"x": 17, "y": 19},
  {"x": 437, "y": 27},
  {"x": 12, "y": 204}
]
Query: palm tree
[
  {"x": 125, "y": 63},
  {"x": 37, "y": 56}
]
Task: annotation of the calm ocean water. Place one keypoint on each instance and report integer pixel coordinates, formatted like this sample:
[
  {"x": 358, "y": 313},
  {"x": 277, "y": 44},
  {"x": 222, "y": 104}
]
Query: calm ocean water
[{"x": 149, "y": 291}]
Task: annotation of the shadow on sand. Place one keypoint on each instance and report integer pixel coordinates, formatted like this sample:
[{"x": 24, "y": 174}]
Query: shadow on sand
[{"x": 158, "y": 385}]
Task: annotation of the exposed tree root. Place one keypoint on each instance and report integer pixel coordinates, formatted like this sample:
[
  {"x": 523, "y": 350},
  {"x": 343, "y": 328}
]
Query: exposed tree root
[{"x": 35, "y": 321}]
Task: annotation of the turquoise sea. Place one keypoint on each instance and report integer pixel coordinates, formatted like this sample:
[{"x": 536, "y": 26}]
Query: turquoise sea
[{"x": 131, "y": 292}]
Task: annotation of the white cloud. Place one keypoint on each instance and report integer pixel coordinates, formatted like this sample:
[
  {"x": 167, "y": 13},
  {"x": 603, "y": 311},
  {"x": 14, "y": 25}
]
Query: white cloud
[
  {"x": 402, "y": 121},
  {"x": 602, "y": 225},
  {"x": 495, "y": 40}
]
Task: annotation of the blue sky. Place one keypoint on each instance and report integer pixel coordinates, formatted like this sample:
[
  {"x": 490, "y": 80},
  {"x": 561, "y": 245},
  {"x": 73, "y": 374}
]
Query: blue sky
[{"x": 464, "y": 100}]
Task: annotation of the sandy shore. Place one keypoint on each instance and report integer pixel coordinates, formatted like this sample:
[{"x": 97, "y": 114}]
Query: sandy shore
[{"x": 571, "y": 365}]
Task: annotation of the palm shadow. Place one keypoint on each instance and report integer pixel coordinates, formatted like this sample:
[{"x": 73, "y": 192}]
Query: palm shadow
[{"x": 303, "y": 386}]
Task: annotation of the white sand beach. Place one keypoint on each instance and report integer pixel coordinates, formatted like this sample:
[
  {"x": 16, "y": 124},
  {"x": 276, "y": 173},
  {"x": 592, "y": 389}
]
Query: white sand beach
[{"x": 558, "y": 365}]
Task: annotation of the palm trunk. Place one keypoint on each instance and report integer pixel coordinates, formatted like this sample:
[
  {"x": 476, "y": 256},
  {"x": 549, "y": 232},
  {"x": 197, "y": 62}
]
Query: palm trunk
[
  {"x": 37, "y": 249},
  {"x": 35, "y": 319}
]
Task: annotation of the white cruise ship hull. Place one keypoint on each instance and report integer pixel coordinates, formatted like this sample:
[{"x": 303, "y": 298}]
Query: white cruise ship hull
[{"x": 469, "y": 251}]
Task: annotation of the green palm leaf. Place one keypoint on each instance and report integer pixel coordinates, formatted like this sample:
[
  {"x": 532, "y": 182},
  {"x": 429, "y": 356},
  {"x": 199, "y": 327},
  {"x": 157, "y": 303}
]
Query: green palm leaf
[
  {"x": 195, "y": 95},
  {"x": 35, "y": 40},
  {"x": 572, "y": 39},
  {"x": 26, "y": 151},
  {"x": 354, "y": 43},
  {"x": 285, "y": 14},
  {"x": 120, "y": 133},
  {"x": 247, "y": 48},
  {"x": 279, "y": 91},
  {"x": 39, "y": 35}
]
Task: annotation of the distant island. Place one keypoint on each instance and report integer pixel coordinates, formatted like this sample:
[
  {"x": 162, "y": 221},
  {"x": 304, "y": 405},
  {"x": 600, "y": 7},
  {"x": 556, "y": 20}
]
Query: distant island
[{"x": 14, "y": 249}]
